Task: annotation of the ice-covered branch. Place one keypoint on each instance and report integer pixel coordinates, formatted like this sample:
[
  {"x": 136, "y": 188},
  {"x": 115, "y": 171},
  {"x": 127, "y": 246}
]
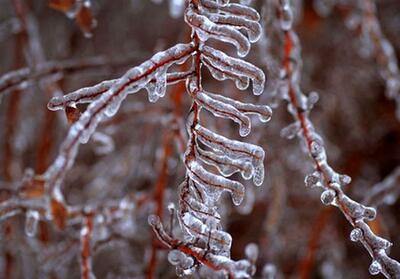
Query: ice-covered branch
[
  {"x": 187, "y": 257},
  {"x": 54, "y": 70},
  {"x": 89, "y": 94},
  {"x": 202, "y": 188},
  {"x": 324, "y": 176}
]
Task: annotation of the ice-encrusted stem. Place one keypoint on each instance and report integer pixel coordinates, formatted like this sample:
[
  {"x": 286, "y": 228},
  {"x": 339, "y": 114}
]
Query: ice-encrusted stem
[
  {"x": 202, "y": 188},
  {"x": 107, "y": 105},
  {"x": 54, "y": 70},
  {"x": 324, "y": 176}
]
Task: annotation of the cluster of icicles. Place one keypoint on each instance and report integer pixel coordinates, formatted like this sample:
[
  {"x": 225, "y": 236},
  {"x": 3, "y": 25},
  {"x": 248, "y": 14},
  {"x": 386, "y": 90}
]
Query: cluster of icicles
[{"x": 202, "y": 188}]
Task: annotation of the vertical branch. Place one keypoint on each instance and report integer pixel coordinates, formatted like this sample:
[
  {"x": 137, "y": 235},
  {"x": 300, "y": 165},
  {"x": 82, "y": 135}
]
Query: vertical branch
[
  {"x": 46, "y": 139},
  {"x": 12, "y": 124},
  {"x": 324, "y": 176},
  {"x": 86, "y": 260},
  {"x": 202, "y": 187},
  {"x": 306, "y": 265},
  {"x": 159, "y": 200}
]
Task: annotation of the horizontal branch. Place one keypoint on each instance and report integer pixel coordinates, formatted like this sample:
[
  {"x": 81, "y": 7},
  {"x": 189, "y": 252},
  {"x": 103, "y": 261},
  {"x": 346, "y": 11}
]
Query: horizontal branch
[
  {"x": 107, "y": 105},
  {"x": 19, "y": 78},
  {"x": 89, "y": 94}
]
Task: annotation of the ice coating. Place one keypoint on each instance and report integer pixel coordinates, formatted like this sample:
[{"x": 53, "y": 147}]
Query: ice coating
[
  {"x": 299, "y": 106},
  {"x": 206, "y": 28},
  {"x": 107, "y": 105},
  {"x": 235, "y": 66}
]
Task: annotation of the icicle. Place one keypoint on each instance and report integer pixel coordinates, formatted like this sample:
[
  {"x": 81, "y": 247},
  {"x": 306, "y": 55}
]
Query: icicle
[
  {"x": 264, "y": 112},
  {"x": 179, "y": 259},
  {"x": 158, "y": 88},
  {"x": 312, "y": 99},
  {"x": 226, "y": 165},
  {"x": 31, "y": 223},
  {"x": 232, "y": 9},
  {"x": 313, "y": 180},
  {"x": 235, "y": 66},
  {"x": 221, "y": 109},
  {"x": 205, "y": 28},
  {"x": 214, "y": 185},
  {"x": 219, "y": 240},
  {"x": 235, "y": 149}
]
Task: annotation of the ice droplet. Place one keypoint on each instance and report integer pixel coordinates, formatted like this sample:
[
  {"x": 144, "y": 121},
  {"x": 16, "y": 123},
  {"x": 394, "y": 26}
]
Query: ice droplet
[
  {"x": 356, "y": 234},
  {"x": 313, "y": 180},
  {"x": 154, "y": 220},
  {"x": 327, "y": 197},
  {"x": 316, "y": 149},
  {"x": 375, "y": 268},
  {"x": 31, "y": 222},
  {"x": 344, "y": 179},
  {"x": 174, "y": 257},
  {"x": 171, "y": 208},
  {"x": 369, "y": 213},
  {"x": 312, "y": 99},
  {"x": 251, "y": 251},
  {"x": 244, "y": 130}
]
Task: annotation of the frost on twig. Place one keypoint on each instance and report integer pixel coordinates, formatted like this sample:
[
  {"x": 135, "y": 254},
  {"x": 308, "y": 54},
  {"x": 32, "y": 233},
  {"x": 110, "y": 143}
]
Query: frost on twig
[{"x": 324, "y": 176}]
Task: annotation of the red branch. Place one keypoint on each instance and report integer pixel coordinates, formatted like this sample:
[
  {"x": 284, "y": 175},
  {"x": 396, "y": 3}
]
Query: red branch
[
  {"x": 86, "y": 235},
  {"x": 159, "y": 199}
]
